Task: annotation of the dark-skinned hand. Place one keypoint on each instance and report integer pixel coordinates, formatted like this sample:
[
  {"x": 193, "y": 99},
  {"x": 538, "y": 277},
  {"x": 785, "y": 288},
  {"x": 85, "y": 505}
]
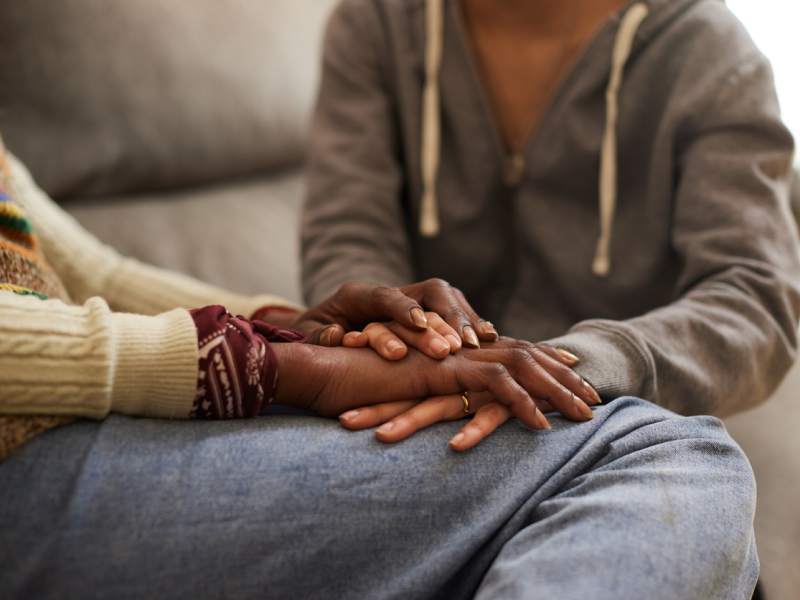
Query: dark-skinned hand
[
  {"x": 554, "y": 386},
  {"x": 330, "y": 381},
  {"x": 432, "y": 316}
]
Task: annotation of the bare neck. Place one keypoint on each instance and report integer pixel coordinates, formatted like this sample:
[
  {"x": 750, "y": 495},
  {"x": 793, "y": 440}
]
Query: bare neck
[
  {"x": 541, "y": 16},
  {"x": 523, "y": 49},
  {"x": 544, "y": 18}
]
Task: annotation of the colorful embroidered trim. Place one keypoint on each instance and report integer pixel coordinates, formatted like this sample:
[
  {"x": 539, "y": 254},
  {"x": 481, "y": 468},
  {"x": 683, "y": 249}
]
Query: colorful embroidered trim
[{"x": 22, "y": 291}]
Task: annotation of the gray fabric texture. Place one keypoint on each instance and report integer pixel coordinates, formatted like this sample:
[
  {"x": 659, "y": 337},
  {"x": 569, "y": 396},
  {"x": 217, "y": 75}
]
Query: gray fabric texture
[
  {"x": 102, "y": 97},
  {"x": 239, "y": 235},
  {"x": 637, "y": 503},
  {"x": 700, "y": 310}
]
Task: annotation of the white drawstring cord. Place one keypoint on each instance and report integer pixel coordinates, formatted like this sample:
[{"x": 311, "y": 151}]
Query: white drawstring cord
[
  {"x": 431, "y": 132},
  {"x": 601, "y": 266},
  {"x": 431, "y": 127}
]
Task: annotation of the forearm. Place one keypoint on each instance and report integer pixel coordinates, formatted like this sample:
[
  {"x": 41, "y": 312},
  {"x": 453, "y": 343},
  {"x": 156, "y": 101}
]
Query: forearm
[
  {"x": 87, "y": 361},
  {"x": 730, "y": 334},
  {"x": 144, "y": 289},
  {"x": 716, "y": 351}
]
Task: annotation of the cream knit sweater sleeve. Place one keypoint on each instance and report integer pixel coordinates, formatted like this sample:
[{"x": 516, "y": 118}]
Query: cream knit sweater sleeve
[
  {"x": 89, "y": 268},
  {"x": 88, "y": 360},
  {"x": 58, "y": 359}
]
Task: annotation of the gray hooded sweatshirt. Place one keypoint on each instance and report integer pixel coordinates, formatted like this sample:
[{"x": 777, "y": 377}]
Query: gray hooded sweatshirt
[{"x": 645, "y": 227}]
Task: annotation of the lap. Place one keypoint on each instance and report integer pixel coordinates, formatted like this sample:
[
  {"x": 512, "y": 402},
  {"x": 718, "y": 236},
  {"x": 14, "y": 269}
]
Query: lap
[{"x": 299, "y": 508}]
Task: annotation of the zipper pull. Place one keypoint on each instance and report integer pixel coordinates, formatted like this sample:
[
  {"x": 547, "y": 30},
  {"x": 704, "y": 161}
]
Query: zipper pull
[{"x": 513, "y": 169}]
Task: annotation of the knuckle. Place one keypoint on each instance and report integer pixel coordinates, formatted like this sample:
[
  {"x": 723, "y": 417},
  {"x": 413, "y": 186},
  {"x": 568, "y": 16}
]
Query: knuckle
[
  {"x": 518, "y": 355},
  {"x": 526, "y": 346},
  {"x": 405, "y": 420},
  {"x": 383, "y": 292},
  {"x": 348, "y": 288},
  {"x": 373, "y": 328},
  {"x": 491, "y": 412},
  {"x": 496, "y": 369},
  {"x": 455, "y": 312},
  {"x": 437, "y": 283},
  {"x": 480, "y": 426}
]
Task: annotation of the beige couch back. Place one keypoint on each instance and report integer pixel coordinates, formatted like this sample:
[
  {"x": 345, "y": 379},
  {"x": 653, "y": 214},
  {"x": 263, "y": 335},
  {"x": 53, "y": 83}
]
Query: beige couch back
[{"x": 114, "y": 96}]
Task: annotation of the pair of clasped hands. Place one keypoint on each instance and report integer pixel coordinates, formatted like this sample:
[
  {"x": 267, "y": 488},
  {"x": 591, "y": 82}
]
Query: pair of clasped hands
[{"x": 400, "y": 359}]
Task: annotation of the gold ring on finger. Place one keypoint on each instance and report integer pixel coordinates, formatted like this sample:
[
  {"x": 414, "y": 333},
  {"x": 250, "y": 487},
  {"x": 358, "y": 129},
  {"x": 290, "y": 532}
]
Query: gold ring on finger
[{"x": 465, "y": 398}]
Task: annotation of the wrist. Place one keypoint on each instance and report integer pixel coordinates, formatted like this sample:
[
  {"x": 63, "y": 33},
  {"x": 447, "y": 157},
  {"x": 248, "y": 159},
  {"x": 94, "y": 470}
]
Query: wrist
[
  {"x": 301, "y": 375},
  {"x": 279, "y": 316}
]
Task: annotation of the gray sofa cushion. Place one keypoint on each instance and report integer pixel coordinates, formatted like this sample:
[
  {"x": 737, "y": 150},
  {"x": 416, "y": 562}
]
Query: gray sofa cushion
[
  {"x": 110, "y": 96},
  {"x": 242, "y": 235},
  {"x": 768, "y": 435}
]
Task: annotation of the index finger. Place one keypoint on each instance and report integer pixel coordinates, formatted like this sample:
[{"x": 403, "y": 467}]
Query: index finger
[
  {"x": 365, "y": 303},
  {"x": 449, "y": 302}
]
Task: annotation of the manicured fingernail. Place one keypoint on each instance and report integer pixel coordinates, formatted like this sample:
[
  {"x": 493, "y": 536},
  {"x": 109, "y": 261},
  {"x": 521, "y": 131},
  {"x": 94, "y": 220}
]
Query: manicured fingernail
[
  {"x": 488, "y": 328},
  {"x": 457, "y": 439},
  {"x": 385, "y": 428},
  {"x": 595, "y": 396},
  {"x": 580, "y": 405},
  {"x": 419, "y": 318},
  {"x": 348, "y": 415},
  {"x": 542, "y": 419},
  {"x": 439, "y": 347},
  {"x": 568, "y": 355},
  {"x": 455, "y": 343},
  {"x": 325, "y": 338},
  {"x": 470, "y": 337},
  {"x": 392, "y": 346}
]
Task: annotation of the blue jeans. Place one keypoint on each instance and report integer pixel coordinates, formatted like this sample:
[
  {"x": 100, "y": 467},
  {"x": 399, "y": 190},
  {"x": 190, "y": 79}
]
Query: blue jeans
[{"x": 638, "y": 503}]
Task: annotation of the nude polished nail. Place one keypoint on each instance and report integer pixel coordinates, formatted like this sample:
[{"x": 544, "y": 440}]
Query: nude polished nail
[
  {"x": 568, "y": 355},
  {"x": 455, "y": 343},
  {"x": 457, "y": 439},
  {"x": 349, "y": 415},
  {"x": 325, "y": 338},
  {"x": 593, "y": 393},
  {"x": 542, "y": 419},
  {"x": 385, "y": 428},
  {"x": 418, "y": 316},
  {"x": 439, "y": 347},
  {"x": 487, "y": 328},
  {"x": 582, "y": 408},
  {"x": 392, "y": 346},
  {"x": 470, "y": 337}
]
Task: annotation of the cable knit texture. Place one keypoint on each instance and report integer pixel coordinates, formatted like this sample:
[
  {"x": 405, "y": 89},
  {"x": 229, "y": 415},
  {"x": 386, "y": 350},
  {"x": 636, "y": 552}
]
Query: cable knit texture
[{"x": 124, "y": 348}]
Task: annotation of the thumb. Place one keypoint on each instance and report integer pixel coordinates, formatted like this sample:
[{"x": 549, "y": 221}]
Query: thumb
[{"x": 322, "y": 334}]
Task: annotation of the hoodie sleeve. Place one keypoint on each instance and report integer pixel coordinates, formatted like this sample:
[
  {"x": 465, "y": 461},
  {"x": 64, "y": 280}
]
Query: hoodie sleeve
[
  {"x": 730, "y": 336},
  {"x": 353, "y": 224}
]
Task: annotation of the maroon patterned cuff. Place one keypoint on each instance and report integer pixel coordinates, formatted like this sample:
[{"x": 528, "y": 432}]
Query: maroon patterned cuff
[{"x": 237, "y": 369}]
